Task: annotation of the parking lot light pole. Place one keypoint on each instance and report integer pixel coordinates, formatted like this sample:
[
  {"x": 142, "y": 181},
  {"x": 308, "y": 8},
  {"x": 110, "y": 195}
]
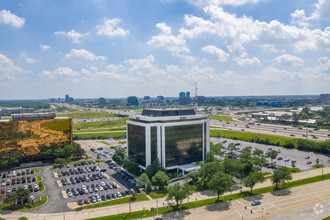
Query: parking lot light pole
[{"x": 129, "y": 202}]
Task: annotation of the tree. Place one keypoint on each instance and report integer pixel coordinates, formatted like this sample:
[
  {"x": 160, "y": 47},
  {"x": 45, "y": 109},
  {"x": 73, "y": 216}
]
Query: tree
[
  {"x": 317, "y": 160},
  {"x": 143, "y": 180},
  {"x": 233, "y": 167},
  {"x": 293, "y": 163},
  {"x": 231, "y": 147},
  {"x": 153, "y": 168},
  {"x": 178, "y": 192},
  {"x": 259, "y": 162},
  {"x": 23, "y": 218},
  {"x": 208, "y": 170},
  {"x": 12, "y": 197},
  {"x": 149, "y": 188},
  {"x": 272, "y": 155},
  {"x": 193, "y": 176},
  {"x": 23, "y": 194},
  {"x": 41, "y": 185},
  {"x": 98, "y": 156},
  {"x": 119, "y": 156},
  {"x": 216, "y": 148},
  {"x": 252, "y": 179},
  {"x": 209, "y": 157},
  {"x": 160, "y": 179},
  {"x": 220, "y": 183},
  {"x": 131, "y": 166},
  {"x": 281, "y": 175},
  {"x": 60, "y": 161},
  {"x": 258, "y": 152}
]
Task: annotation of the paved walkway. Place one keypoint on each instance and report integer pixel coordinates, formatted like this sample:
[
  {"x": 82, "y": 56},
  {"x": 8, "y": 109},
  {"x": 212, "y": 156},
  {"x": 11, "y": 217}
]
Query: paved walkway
[{"x": 123, "y": 208}]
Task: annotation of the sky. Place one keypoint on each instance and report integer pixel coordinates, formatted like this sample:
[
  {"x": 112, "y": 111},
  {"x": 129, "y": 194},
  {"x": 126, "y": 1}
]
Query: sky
[{"x": 115, "y": 49}]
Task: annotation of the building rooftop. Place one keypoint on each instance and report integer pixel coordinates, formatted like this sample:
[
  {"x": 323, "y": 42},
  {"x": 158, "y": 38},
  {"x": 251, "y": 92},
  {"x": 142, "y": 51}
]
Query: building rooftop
[{"x": 167, "y": 112}]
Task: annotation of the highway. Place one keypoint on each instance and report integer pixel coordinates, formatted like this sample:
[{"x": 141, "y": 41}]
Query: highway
[{"x": 278, "y": 130}]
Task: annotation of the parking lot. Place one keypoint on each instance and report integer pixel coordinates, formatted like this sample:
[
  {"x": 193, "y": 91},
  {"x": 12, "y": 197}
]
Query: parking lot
[
  {"x": 93, "y": 180},
  {"x": 287, "y": 155},
  {"x": 14, "y": 179}
]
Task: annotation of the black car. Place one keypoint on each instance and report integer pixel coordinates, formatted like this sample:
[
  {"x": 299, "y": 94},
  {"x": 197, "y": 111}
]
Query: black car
[{"x": 109, "y": 196}]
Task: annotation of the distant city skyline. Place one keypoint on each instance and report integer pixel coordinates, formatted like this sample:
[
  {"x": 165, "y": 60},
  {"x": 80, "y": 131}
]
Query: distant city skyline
[{"x": 116, "y": 49}]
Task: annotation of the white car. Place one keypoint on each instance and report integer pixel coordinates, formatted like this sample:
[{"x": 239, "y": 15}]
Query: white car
[
  {"x": 70, "y": 194},
  {"x": 118, "y": 194},
  {"x": 102, "y": 184}
]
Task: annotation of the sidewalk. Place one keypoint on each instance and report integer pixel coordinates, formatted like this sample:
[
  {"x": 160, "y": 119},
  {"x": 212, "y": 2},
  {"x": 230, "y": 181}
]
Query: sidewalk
[{"x": 123, "y": 208}]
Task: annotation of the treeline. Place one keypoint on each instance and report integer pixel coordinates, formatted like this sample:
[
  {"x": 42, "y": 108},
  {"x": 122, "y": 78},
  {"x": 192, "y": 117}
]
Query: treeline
[
  {"x": 300, "y": 144},
  {"x": 97, "y": 137},
  {"x": 25, "y": 104},
  {"x": 47, "y": 154}
]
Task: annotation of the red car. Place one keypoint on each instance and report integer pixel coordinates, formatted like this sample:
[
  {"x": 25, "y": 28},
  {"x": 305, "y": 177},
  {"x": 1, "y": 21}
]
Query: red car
[
  {"x": 308, "y": 162},
  {"x": 87, "y": 201}
]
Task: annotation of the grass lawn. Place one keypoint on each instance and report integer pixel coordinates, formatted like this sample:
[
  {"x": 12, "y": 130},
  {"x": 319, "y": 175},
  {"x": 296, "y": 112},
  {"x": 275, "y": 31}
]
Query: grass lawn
[
  {"x": 39, "y": 178},
  {"x": 140, "y": 197},
  {"x": 100, "y": 124},
  {"x": 104, "y": 142},
  {"x": 25, "y": 207},
  {"x": 96, "y": 161},
  {"x": 200, "y": 203},
  {"x": 318, "y": 166},
  {"x": 36, "y": 170},
  {"x": 158, "y": 194},
  {"x": 99, "y": 135},
  {"x": 294, "y": 170},
  {"x": 266, "y": 173},
  {"x": 86, "y": 114},
  {"x": 247, "y": 136},
  {"x": 220, "y": 117},
  {"x": 97, "y": 130}
]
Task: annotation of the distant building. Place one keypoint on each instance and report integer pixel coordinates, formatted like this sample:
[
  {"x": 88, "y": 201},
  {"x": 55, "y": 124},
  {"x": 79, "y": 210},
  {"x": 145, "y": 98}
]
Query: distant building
[
  {"x": 188, "y": 96},
  {"x": 200, "y": 99},
  {"x": 182, "y": 94},
  {"x": 68, "y": 98},
  {"x": 19, "y": 110},
  {"x": 177, "y": 137},
  {"x": 325, "y": 99},
  {"x": 132, "y": 100},
  {"x": 146, "y": 98},
  {"x": 160, "y": 98},
  {"x": 32, "y": 116},
  {"x": 183, "y": 99},
  {"x": 102, "y": 101}
]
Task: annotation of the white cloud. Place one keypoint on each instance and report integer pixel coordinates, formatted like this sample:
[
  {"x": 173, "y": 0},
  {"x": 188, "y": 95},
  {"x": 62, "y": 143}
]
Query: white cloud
[
  {"x": 83, "y": 55},
  {"x": 299, "y": 18},
  {"x": 73, "y": 35},
  {"x": 24, "y": 56},
  {"x": 289, "y": 60},
  {"x": 216, "y": 53},
  {"x": 109, "y": 28},
  {"x": 322, "y": 10},
  {"x": 8, "y": 68},
  {"x": 186, "y": 58},
  {"x": 6, "y": 17},
  {"x": 44, "y": 47},
  {"x": 222, "y": 2},
  {"x": 254, "y": 61},
  {"x": 168, "y": 41},
  {"x": 60, "y": 71}
]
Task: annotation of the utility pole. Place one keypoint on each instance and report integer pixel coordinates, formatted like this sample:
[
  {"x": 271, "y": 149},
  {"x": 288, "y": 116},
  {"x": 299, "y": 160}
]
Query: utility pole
[
  {"x": 157, "y": 206},
  {"x": 129, "y": 199}
]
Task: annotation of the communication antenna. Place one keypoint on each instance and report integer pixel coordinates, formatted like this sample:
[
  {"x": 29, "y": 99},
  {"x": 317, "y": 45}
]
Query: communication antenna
[{"x": 196, "y": 102}]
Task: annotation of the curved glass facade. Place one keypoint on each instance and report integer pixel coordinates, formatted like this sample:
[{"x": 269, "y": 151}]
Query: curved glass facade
[{"x": 183, "y": 144}]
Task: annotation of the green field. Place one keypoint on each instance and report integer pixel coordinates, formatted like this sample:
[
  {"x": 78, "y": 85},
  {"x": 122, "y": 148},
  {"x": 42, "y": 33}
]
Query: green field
[
  {"x": 98, "y": 130},
  {"x": 220, "y": 117},
  {"x": 25, "y": 207},
  {"x": 86, "y": 114},
  {"x": 247, "y": 136},
  {"x": 99, "y": 136},
  {"x": 100, "y": 124}
]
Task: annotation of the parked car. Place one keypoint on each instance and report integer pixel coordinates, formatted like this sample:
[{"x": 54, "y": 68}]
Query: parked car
[
  {"x": 256, "y": 202},
  {"x": 308, "y": 162}
]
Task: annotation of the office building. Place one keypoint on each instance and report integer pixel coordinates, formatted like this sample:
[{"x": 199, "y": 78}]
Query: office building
[
  {"x": 68, "y": 98},
  {"x": 102, "y": 101},
  {"x": 177, "y": 137},
  {"x": 188, "y": 96},
  {"x": 19, "y": 110},
  {"x": 325, "y": 99},
  {"x": 146, "y": 98},
  {"x": 132, "y": 100}
]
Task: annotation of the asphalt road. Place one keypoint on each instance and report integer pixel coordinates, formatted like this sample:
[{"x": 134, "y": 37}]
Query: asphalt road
[
  {"x": 299, "y": 156},
  {"x": 311, "y": 201},
  {"x": 281, "y": 130}
]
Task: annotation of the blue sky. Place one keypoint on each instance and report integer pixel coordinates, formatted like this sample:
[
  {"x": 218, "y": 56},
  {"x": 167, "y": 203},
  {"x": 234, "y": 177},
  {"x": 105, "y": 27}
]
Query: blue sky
[{"x": 112, "y": 48}]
